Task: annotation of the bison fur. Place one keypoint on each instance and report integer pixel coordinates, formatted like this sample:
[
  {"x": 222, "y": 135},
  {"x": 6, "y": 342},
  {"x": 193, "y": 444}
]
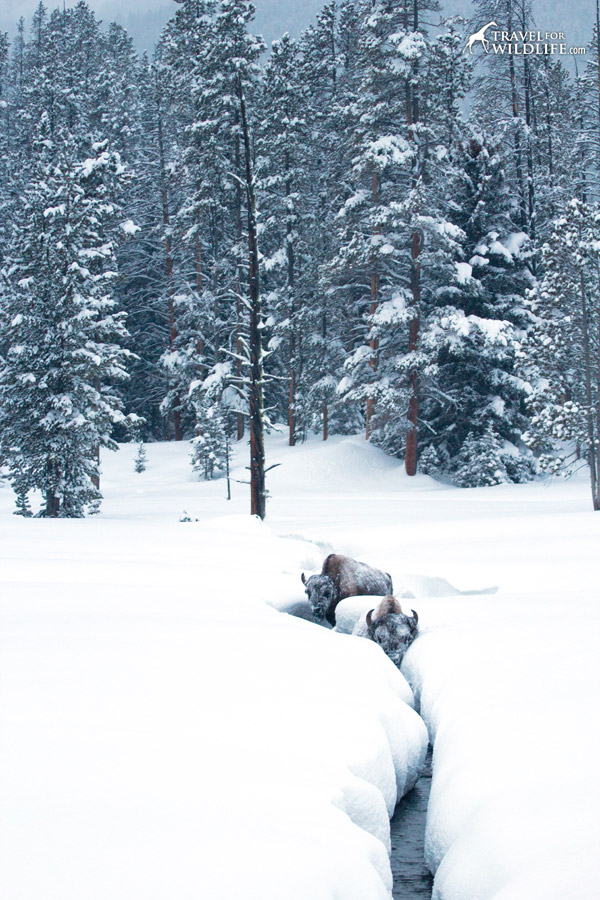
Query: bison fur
[
  {"x": 392, "y": 629},
  {"x": 343, "y": 577}
]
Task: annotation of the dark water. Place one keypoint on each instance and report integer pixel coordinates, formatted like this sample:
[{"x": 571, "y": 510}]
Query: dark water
[{"x": 411, "y": 878}]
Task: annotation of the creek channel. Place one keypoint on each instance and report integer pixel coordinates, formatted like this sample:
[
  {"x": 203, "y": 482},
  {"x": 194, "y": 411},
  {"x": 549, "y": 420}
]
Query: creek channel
[{"x": 412, "y": 879}]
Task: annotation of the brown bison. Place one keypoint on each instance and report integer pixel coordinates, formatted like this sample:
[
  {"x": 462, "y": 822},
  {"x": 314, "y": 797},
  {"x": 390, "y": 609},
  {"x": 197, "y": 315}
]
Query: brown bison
[
  {"x": 392, "y": 629},
  {"x": 342, "y": 577}
]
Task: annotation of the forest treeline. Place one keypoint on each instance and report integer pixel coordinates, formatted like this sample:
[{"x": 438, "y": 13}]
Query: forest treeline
[{"x": 423, "y": 220}]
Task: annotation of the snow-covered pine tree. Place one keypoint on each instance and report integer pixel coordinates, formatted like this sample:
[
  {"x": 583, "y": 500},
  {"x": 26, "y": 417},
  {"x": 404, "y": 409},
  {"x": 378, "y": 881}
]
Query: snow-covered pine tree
[
  {"x": 219, "y": 212},
  {"x": 483, "y": 316},
  {"x": 215, "y": 402},
  {"x": 58, "y": 402},
  {"x": 204, "y": 48},
  {"x": 527, "y": 102},
  {"x": 503, "y": 101},
  {"x": 328, "y": 71},
  {"x": 562, "y": 356},
  {"x": 287, "y": 216},
  {"x": 480, "y": 462},
  {"x": 141, "y": 458},
  {"x": 397, "y": 241},
  {"x": 584, "y": 156},
  {"x": 5, "y": 149},
  {"x": 188, "y": 153}
]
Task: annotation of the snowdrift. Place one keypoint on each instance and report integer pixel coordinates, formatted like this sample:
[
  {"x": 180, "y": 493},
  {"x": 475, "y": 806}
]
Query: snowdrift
[
  {"x": 167, "y": 733},
  {"x": 507, "y": 694}
]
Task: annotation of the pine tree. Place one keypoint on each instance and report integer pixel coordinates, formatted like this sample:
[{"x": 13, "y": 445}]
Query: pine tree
[
  {"x": 483, "y": 313},
  {"x": 215, "y": 402},
  {"x": 141, "y": 459},
  {"x": 58, "y": 403},
  {"x": 329, "y": 60},
  {"x": 480, "y": 462},
  {"x": 397, "y": 241},
  {"x": 561, "y": 359},
  {"x": 283, "y": 149}
]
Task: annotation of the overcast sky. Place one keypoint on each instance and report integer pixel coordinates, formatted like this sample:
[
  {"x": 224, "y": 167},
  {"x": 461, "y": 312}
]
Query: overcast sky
[{"x": 144, "y": 18}]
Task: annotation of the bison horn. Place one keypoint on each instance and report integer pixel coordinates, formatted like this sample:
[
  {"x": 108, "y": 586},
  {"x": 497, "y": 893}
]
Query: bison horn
[
  {"x": 370, "y": 617},
  {"x": 415, "y": 616},
  {"x": 303, "y": 576}
]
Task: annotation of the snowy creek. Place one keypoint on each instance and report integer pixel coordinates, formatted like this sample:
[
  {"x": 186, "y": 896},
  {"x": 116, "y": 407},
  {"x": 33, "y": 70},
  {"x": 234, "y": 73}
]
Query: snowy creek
[{"x": 412, "y": 879}]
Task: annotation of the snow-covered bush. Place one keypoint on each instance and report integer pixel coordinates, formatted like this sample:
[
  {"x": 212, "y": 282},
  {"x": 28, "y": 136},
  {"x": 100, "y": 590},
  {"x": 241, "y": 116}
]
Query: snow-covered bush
[
  {"x": 430, "y": 461},
  {"x": 209, "y": 447},
  {"x": 140, "y": 459},
  {"x": 480, "y": 462}
]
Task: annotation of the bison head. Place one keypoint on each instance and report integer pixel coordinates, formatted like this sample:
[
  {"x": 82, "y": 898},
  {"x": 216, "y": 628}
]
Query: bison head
[
  {"x": 394, "y": 632},
  {"x": 320, "y": 590}
]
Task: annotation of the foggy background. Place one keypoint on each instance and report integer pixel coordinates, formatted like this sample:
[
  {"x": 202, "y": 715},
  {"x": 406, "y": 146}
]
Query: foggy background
[{"x": 144, "y": 18}]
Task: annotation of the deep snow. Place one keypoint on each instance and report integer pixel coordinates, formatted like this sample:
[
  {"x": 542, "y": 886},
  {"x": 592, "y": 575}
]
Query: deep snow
[{"x": 167, "y": 733}]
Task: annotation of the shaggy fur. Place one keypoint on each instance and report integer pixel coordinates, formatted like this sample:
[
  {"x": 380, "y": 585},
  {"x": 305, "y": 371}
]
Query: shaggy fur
[
  {"x": 392, "y": 629},
  {"x": 343, "y": 577}
]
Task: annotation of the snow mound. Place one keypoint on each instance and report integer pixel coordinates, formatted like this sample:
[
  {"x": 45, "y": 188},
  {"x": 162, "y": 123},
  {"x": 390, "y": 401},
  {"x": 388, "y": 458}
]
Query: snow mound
[
  {"x": 167, "y": 732},
  {"x": 339, "y": 465},
  {"x": 506, "y": 691}
]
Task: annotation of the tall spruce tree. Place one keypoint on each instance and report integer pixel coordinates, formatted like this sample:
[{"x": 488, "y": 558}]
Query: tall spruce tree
[
  {"x": 64, "y": 338},
  {"x": 561, "y": 361}
]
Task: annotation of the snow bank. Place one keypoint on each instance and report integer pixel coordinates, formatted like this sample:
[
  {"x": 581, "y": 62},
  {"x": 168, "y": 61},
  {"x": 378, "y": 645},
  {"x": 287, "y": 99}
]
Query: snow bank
[
  {"x": 507, "y": 689},
  {"x": 409, "y": 587},
  {"x": 166, "y": 732}
]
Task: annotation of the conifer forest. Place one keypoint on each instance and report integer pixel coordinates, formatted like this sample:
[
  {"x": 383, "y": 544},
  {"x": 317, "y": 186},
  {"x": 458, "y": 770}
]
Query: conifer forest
[{"x": 369, "y": 228}]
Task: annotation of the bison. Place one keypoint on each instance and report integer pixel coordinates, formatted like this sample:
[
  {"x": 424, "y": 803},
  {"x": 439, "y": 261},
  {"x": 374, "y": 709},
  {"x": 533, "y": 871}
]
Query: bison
[
  {"x": 342, "y": 577},
  {"x": 392, "y": 629}
]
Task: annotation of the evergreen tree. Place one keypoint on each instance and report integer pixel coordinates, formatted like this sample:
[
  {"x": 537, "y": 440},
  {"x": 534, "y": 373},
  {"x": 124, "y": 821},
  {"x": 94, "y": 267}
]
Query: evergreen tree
[
  {"x": 480, "y": 461},
  {"x": 141, "y": 459},
  {"x": 397, "y": 241},
  {"x": 285, "y": 205},
  {"x": 58, "y": 403},
  {"x": 483, "y": 315},
  {"x": 561, "y": 359}
]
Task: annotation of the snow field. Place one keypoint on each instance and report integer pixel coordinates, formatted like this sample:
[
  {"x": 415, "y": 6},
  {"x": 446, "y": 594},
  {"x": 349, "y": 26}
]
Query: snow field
[
  {"x": 170, "y": 734},
  {"x": 507, "y": 683},
  {"x": 509, "y": 695},
  {"x": 166, "y": 732}
]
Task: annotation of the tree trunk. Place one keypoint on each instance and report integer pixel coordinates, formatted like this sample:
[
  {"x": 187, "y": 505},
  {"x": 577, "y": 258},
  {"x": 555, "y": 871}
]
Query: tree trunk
[
  {"x": 96, "y": 477},
  {"x": 52, "y": 505},
  {"x": 412, "y": 434},
  {"x": 240, "y": 424},
  {"x": 374, "y": 342},
  {"x": 587, "y": 355},
  {"x": 413, "y": 343},
  {"x": 239, "y": 419},
  {"x": 517, "y": 136},
  {"x": 178, "y": 433},
  {"x": 529, "y": 148},
  {"x": 227, "y": 457},
  {"x": 257, "y": 440},
  {"x": 290, "y": 273}
]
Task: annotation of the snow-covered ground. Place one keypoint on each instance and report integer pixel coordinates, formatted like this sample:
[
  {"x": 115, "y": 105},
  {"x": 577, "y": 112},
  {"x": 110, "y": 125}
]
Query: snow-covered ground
[{"x": 166, "y": 733}]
